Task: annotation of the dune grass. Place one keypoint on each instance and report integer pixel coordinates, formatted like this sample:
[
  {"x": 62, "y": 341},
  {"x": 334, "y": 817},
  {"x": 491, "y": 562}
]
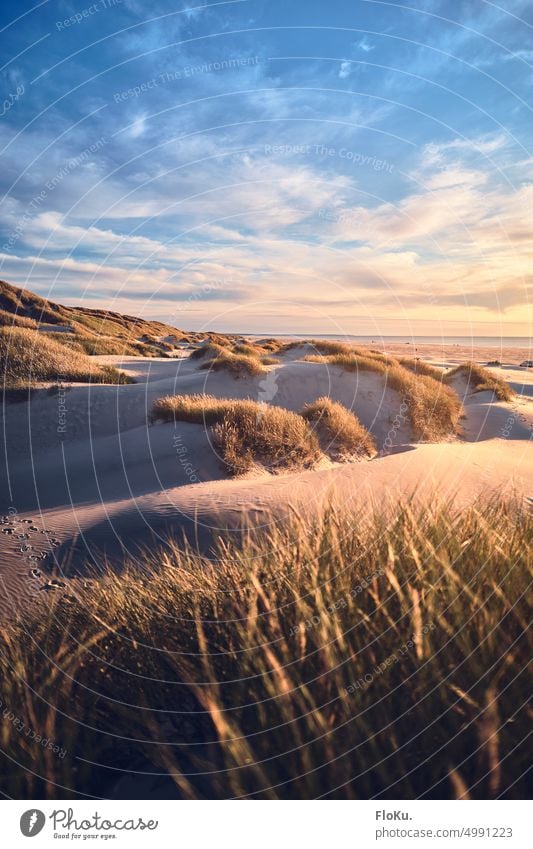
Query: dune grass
[
  {"x": 339, "y": 431},
  {"x": 367, "y": 655},
  {"x": 195, "y": 409},
  {"x": 210, "y": 350},
  {"x": 243, "y": 360},
  {"x": 28, "y": 357},
  {"x": 238, "y": 365},
  {"x": 247, "y": 350},
  {"x": 265, "y": 436},
  {"x": 482, "y": 380},
  {"x": 272, "y": 345},
  {"x": 103, "y": 345},
  {"x": 13, "y": 319},
  {"x": 351, "y": 361},
  {"x": 247, "y": 434},
  {"x": 418, "y": 366},
  {"x": 433, "y": 409}
]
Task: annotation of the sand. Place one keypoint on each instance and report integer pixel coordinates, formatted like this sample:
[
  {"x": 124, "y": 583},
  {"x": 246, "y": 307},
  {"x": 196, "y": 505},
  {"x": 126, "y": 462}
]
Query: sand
[{"x": 86, "y": 473}]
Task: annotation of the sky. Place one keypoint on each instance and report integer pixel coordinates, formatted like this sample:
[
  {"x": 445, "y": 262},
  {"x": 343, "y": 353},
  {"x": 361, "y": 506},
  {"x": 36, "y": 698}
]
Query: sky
[{"x": 263, "y": 166}]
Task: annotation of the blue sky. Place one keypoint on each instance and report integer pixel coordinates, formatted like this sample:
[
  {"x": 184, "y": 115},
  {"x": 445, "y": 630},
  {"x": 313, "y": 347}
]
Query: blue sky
[{"x": 344, "y": 166}]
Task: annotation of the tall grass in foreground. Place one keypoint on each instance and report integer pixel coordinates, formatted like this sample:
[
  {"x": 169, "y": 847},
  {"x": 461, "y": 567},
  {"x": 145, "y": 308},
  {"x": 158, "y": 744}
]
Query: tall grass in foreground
[{"x": 378, "y": 655}]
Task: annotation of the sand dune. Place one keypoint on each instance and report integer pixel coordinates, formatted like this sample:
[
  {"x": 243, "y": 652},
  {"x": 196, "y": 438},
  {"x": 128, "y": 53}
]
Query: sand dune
[{"x": 113, "y": 482}]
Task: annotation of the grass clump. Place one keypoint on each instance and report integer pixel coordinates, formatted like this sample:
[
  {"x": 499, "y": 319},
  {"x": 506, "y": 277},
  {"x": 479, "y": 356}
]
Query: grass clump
[
  {"x": 339, "y": 431},
  {"x": 238, "y": 365},
  {"x": 195, "y": 409},
  {"x": 356, "y": 656},
  {"x": 13, "y": 319},
  {"x": 247, "y": 433},
  {"x": 351, "y": 361},
  {"x": 28, "y": 357},
  {"x": 418, "y": 366},
  {"x": 271, "y": 344},
  {"x": 247, "y": 350},
  {"x": 209, "y": 350},
  {"x": 433, "y": 409},
  {"x": 482, "y": 380},
  {"x": 265, "y": 436}
]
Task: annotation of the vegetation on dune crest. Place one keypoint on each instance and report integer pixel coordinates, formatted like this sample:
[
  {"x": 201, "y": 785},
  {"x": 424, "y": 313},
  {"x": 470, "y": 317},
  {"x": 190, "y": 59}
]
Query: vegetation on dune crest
[
  {"x": 242, "y": 360},
  {"x": 482, "y": 380},
  {"x": 25, "y": 304},
  {"x": 266, "y": 436},
  {"x": 210, "y": 350},
  {"x": 238, "y": 365},
  {"x": 246, "y": 433},
  {"x": 95, "y": 331},
  {"x": 354, "y": 657},
  {"x": 11, "y": 319},
  {"x": 247, "y": 350},
  {"x": 28, "y": 357},
  {"x": 339, "y": 431},
  {"x": 418, "y": 366},
  {"x": 433, "y": 408},
  {"x": 195, "y": 409}
]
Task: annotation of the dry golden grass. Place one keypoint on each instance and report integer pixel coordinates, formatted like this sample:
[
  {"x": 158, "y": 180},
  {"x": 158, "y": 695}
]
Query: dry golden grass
[
  {"x": 357, "y": 656},
  {"x": 248, "y": 350},
  {"x": 420, "y": 367},
  {"x": 328, "y": 347},
  {"x": 272, "y": 345},
  {"x": 482, "y": 380},
  {"x": 340, "y": 433},
  {"x": 265, "y": 436},
  {"x": 270, "y": 361},
  {"x": 29, "y": 307},
  {"x": 210, "y": 350},
  {"x": 433, "y": 408},
  {"x": 247, "y": 433},
  {"x": 27, "y": 357},
  {"x": 12, "y": 319},
  {"x": 101, "y": 345},
  {"x": 238, "y": 365},
  {"x": 350, "y": 361},
  {"x": 196, "y": 409}
]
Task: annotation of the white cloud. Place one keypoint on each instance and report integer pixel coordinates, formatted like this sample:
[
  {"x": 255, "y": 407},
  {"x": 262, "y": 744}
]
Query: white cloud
[{"x": 345, "y": 70}]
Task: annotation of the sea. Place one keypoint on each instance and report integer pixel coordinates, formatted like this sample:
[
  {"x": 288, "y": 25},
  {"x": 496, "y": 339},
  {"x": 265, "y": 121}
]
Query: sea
[{"x": 467, "y": 341}]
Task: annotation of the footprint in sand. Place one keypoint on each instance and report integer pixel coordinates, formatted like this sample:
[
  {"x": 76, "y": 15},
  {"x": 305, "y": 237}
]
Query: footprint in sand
[{"x": 54, "y": 584}]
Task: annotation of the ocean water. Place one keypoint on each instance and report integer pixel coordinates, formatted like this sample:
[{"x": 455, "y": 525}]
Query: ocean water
[{"x": 466, "y": 341}]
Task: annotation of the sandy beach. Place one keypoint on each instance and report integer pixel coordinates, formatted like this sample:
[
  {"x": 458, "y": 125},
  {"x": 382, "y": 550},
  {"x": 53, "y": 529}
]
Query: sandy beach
[{"x": 105, "y": 481}]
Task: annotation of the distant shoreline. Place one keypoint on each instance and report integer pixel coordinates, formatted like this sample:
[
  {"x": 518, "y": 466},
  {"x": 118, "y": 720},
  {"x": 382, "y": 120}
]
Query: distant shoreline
[{"x": 474, "y": 342}]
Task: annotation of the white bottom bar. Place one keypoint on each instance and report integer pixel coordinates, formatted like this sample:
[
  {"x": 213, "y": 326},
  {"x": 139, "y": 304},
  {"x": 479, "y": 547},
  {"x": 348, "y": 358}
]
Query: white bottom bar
[{"x": 263, "y": 825}]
